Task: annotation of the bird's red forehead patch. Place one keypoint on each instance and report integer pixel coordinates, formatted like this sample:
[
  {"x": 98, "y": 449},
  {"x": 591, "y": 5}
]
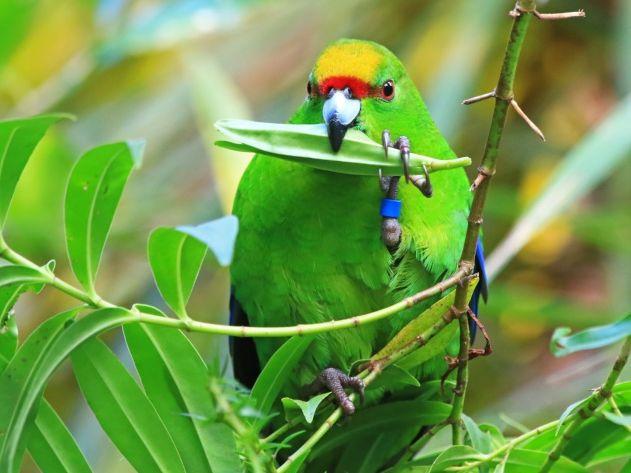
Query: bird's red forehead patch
[{"x": 359, "y": 88}]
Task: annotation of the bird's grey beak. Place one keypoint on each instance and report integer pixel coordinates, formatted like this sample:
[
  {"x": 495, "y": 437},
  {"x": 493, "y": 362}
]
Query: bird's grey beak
[{"x": 339, "y": 111}]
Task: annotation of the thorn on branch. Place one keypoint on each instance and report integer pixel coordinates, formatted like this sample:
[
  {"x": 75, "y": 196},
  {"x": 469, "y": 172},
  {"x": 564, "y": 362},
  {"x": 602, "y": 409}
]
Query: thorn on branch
[
  {"x": 483, "y": 173},
  {"x": 559, "y": 16},
  {"x": 528, "y": 121},
  {"x": 518, "y": 10},
  {"x": 479, "y": 98}
]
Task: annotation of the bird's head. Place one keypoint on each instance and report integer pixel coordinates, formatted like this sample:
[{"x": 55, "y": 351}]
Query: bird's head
[{"x": 351, "y": 77}]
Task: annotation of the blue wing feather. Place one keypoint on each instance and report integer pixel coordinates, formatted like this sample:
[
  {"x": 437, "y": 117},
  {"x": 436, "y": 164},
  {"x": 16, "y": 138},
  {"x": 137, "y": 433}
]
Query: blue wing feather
[{"x": 482, "y": 289}]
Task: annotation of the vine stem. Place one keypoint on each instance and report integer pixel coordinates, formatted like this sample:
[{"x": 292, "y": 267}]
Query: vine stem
[
  {"x": 191, "y": 325},
  {"x": 600, "y": 396},
  {"x": 249, "y": 439},
  {"x": 503, "y": 95}
]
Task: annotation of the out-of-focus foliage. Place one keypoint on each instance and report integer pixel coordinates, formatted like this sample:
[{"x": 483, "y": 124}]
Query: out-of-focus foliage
[{"x": 165, "y": 71}]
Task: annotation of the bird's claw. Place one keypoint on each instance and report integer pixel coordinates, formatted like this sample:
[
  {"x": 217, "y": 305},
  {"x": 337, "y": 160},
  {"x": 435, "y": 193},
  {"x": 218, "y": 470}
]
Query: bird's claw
[
  {"x": 403, "y": 145},
  {"x": 336, "y": 381},
  {"x": 423, "y": 183}
]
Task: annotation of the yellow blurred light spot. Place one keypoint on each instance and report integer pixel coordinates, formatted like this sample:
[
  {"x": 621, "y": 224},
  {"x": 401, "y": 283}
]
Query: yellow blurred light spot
[
  {"x": 546, "y": 245},
  {"x": 359, "y": 60},
  {"x": 516, "y": 327}
]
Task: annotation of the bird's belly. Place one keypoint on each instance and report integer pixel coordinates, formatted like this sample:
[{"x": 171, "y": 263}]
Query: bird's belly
[{"x": 309, "y": 250}]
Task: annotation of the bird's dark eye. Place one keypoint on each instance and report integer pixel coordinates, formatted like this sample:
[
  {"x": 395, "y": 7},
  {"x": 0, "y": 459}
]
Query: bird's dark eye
[
  {"x": 388, "y": 90},
  {"x": 309, "y": 87}
]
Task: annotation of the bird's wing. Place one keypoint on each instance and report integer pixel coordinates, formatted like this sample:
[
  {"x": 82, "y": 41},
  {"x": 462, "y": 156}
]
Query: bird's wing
[{"x": 245, "y": 360}]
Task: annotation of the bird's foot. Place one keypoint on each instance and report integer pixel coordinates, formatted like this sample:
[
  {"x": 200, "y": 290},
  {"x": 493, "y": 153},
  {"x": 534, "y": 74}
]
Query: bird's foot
[
  {"x": 336, "y": 381},
  {"x": 421, "y": 182}
]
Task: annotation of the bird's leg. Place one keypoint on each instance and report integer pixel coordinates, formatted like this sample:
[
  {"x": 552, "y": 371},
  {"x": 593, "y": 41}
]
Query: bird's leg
[
  {"x": 390, "y": 206},
  {"x": 336, "y": 381}
]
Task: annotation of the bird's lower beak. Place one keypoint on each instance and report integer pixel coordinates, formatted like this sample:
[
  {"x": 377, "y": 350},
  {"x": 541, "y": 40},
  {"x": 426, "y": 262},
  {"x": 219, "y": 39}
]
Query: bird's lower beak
[{"x": 339, "y": 111}]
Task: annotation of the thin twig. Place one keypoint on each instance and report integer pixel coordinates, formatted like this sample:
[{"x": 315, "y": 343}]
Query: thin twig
[
  {"x": 238, "y": 331},
  {"x": 248, "y": 437}
]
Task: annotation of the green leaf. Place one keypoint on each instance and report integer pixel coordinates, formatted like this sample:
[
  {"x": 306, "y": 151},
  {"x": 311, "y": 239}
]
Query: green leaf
[
  {"x": 223, "y": 450},
  {"x": 567, "y": 412},
  {"x": 8, "y": 341},
  {"x": 617, "y": 419},
  {"x": 309, "y": 144},
  {"x": 614, "y": 451},
  {"x": 52, "y": 446},
  {"x": 454, "y": 456},
  {"x": 420, "y": 324},
  {"x": 175, "y": 380},
  {"x": 18, "y": 139},
  {"x": 175, "y": 259},
  {"x": 218, "y": 235},
  {"x": 581, "y": 170},
  {"x": 277, "y": 371},
  {"x": 94, "y": 189},
  {"x": 393, "y": 376},
  {"x": 530, "y": 461},
  {"x": 393, "y": 416},
  {"x": 495, "y": 434},
  {"x": 123, "y": 410},
  {"x": 16, "y": 382},
  {"x": 23, "y": 385},
  {"x": 11, "y": 275},
  {"x": 479, "y": 440},
  {"x": 308, "y": 408},
  {"x": 596, "y": 337}
]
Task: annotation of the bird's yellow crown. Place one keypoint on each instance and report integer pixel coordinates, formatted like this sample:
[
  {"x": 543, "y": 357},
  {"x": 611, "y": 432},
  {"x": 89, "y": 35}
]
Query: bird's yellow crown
[{"x": 357, "y": 59}]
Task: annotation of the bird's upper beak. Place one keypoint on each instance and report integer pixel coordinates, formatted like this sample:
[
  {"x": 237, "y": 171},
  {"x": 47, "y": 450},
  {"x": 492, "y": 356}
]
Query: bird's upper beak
[{"x": 339, "y": 111}]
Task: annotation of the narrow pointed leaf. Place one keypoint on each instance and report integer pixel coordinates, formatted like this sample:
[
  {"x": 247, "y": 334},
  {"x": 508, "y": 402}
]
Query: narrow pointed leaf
[
  {"x": 617, "y": 419},
  {"x": 309, "y": 144},
  {"x": 567, "y": 412},
  {"x": 18, "y": 139},
  {"x": 479, "y": 440},
  {"x": 11, "y": 275},
  {"x": 563, "y": 343},
  {"x": 52, "y": 446},
  {"x": 123, "y": 410},
  {"x": 23, "y": 386},
  {"x": 94, "y": 189},
  {"x": 175, "y": 380},
  {"x": 16, "y": 382},
  {"x": 418, "y": 325},
  {"x": 175, "y": 259},
  {"x": 277, "y": 371},
  {"x": 454, "y": 456}
]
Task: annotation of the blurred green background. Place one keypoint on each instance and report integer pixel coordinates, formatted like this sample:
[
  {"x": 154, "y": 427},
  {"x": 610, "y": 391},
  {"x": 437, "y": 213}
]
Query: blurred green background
[{"x": 166, "y": 70}]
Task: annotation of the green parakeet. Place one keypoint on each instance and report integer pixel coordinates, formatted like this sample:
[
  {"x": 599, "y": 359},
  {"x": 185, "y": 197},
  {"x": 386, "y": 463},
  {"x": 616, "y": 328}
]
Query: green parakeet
[{"x": 315, "y": 245}]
